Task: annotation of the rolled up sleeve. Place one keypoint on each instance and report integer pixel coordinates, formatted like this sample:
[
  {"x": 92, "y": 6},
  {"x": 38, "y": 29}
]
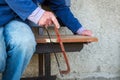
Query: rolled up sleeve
[{"x": 36, "y": 15}]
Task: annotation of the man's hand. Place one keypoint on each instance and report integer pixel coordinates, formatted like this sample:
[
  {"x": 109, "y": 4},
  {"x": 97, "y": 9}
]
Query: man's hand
[
  {"x": 86, "y": 33},
  {"x": 47, "y": 19}
]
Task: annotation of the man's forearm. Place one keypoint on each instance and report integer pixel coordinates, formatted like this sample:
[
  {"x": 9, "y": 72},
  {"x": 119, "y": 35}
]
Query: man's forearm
[{"x": 37, "y": 14}]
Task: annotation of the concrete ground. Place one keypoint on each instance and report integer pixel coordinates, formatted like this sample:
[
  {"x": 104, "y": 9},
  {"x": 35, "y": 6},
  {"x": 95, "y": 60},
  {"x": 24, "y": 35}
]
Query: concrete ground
[
  {"x": 100, "y": 78},
  {"x": 92, "y": 78}
]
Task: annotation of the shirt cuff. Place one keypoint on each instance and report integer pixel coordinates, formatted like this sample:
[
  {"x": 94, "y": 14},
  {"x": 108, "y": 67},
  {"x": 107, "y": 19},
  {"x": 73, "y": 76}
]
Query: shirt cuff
[
  {"x": 36, "y": 15},
  {"x": 80, "y": 30}
]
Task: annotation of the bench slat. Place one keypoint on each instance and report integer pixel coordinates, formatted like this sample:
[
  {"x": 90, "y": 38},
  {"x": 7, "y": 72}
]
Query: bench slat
[{"x": 66, "y": 39}]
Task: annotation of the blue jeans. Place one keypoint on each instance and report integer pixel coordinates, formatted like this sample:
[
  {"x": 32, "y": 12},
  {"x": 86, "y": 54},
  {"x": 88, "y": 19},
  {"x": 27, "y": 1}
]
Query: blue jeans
[{"x": 17, "y": 45}]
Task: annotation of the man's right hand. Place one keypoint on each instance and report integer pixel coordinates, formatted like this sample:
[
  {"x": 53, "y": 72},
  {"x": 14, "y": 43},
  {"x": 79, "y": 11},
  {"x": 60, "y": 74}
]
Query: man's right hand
[{"x": 47, "y": 19}]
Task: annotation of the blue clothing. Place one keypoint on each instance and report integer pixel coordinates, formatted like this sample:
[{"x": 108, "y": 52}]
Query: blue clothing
[
  {"x": 17, "y": 42},
  {"x": 10, "y": 9},
  {"x": 17, "y": 45}
]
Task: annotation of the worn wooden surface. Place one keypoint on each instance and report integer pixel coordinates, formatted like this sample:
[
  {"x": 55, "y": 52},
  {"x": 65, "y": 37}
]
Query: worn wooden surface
[
  {"x": 66, "y": 39},
  {"x": 72, "y": 43}
]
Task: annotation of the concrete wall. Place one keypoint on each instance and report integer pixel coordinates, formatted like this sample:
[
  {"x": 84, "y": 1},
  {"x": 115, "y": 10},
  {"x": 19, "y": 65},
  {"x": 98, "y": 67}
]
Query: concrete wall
[
  {"x": 99, "y": 60},
  {"x": 96, "y": 60}
]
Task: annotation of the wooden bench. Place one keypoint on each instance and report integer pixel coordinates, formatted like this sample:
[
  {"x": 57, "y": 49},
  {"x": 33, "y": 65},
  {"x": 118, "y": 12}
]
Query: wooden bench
[{"x": 72, "y": 43}]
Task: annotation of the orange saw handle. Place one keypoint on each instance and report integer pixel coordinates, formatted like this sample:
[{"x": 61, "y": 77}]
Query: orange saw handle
[{"x": 63, "y": 52}]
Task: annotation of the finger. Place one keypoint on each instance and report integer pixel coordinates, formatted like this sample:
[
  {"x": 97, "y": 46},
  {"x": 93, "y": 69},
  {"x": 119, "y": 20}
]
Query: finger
[
  {"x": 46, "y": 25},
  {"x": 55, "y": 22},
  {"x": 50, "y": 23},
  {"x": 86, "y": 33},
  {"x": 41, "y": 23}
]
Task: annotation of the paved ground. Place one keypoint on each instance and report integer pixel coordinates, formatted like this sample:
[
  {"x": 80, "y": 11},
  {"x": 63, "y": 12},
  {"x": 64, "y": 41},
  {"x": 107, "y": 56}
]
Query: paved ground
[
  {"x": 100, "y": 78},
  {"x": 93, "y": 79}
]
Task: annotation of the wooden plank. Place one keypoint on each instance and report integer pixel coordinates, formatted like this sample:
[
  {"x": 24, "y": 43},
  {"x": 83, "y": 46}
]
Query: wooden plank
[
  {"x": 66, "y": 39},
  {"x": 69, "y": 47}
]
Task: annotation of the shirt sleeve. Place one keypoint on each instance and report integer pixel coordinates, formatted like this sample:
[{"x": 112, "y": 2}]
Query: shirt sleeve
[
  {"x": 63, "y": 12},
  {"x": 23, "y": 8},
  {"x": 36, "y": 15},
  {"x": 80, "y": 30}
]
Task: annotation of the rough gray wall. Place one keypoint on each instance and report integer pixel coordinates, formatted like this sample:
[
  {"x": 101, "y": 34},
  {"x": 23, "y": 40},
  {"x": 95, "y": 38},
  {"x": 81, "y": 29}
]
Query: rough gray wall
[{"x": 102, "y": 58}]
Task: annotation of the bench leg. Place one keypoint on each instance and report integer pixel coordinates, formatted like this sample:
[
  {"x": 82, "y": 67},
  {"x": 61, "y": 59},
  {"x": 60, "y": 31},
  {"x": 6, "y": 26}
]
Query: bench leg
[
  {"x": 44, "y": 68},
  {"x": 48, "y": 69},
  {"x": 41, "y": 64}
]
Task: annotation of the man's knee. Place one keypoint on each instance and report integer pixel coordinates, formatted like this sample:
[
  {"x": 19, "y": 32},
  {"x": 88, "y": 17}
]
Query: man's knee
[
  {"x": 24, "y": 46},
  {"x": 18, "y": 35}
]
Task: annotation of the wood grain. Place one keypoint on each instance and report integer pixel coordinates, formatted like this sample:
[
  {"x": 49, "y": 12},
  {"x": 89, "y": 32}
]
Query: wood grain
[{"x": 66, "y": 39}]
